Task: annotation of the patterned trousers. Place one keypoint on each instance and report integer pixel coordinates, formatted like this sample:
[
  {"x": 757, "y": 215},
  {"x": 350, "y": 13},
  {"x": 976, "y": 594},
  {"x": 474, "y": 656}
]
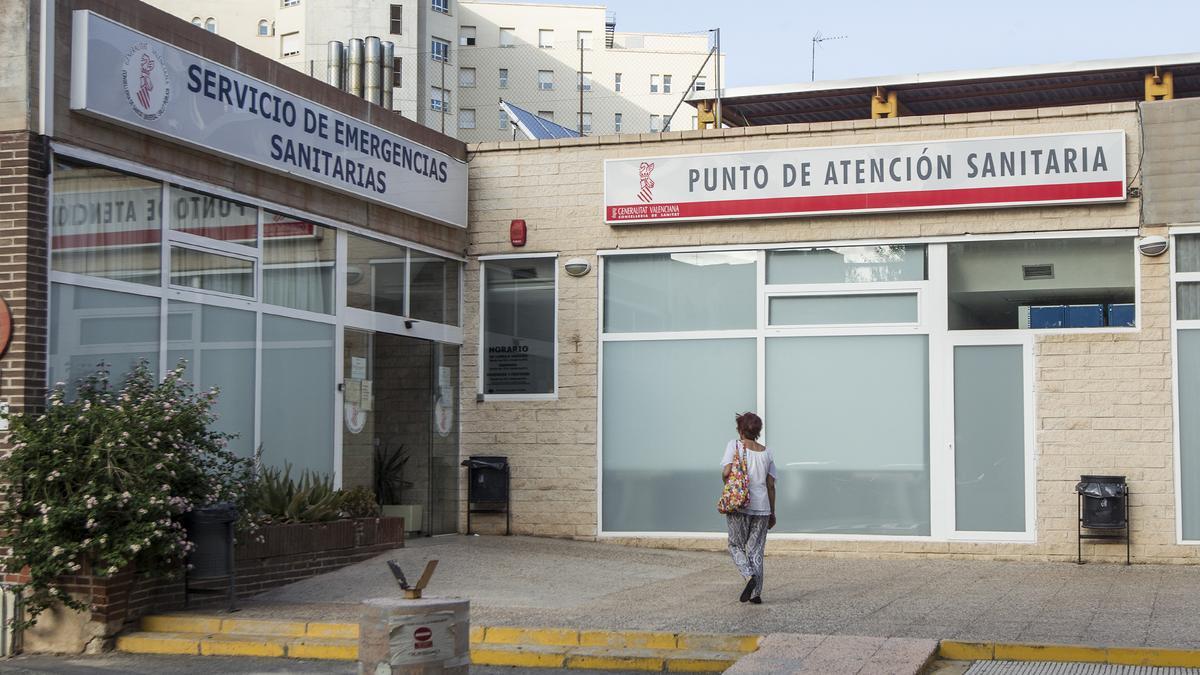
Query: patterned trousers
[{"x": 747, "y": 539}]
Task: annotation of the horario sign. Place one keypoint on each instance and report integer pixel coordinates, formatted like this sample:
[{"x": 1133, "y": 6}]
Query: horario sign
[{"x": 956, "y": 174}]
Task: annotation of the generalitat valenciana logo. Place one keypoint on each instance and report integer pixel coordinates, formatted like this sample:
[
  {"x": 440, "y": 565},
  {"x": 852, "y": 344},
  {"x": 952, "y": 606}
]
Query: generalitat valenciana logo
[
  {"x": 147, "y": 85},
  {"x": 646, "y": 193}
]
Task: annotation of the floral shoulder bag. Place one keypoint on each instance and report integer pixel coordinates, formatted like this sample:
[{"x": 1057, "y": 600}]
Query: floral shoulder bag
[{"x": 736, "y": 493}]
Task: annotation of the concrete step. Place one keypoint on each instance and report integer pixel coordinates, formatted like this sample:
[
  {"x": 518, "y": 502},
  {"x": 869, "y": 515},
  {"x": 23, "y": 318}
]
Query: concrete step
[
  {"x": 614, "y": 639},
  {"x": 236, "y": 644},
  {"x": 673, "y": 660}
]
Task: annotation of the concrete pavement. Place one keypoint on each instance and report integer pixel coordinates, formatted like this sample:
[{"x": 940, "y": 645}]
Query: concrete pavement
[{"x": 523, "y": 581}]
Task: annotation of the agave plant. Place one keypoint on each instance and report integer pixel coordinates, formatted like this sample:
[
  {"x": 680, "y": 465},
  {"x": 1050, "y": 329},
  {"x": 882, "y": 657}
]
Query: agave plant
[{"x": 280, "y": 498}]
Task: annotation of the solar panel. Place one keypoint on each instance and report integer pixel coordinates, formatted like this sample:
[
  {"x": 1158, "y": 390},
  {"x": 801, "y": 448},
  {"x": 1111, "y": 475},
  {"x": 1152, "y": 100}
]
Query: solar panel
[{"x": 536, "y": 128}]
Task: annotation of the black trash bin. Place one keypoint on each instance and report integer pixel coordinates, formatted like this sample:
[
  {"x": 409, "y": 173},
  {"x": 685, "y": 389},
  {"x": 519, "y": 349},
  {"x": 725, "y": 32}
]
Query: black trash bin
[
  {"x": 210, "y": 529},
  {"x": 1104, "y": 505},
  {"x": 487, "y": 487}
]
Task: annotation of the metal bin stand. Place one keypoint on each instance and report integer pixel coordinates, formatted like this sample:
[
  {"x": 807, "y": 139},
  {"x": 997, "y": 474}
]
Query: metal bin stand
[
  {"x": 210, "y": 529},
  {"x": 1103, "y": 509},
  {"x": 488, "y": 488}
]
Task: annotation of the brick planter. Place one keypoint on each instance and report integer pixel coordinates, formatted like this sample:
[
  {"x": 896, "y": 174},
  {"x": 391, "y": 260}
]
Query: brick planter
[{"x": 277, "y": 555}]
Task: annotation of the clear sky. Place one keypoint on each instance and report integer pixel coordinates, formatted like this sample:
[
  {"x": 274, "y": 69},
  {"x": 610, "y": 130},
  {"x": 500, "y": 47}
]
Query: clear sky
[{"x": 769, "y": 41}]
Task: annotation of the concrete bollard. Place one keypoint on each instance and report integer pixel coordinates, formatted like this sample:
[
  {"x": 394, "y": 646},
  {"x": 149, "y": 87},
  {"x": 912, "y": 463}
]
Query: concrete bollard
[{"x": 414, "y": 637}]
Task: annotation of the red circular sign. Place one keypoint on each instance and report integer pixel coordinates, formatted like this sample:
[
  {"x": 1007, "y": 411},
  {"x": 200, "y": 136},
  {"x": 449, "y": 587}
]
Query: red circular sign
[
  {"x": 422, "y": 634},
  {"x": 6, "y": 327}
]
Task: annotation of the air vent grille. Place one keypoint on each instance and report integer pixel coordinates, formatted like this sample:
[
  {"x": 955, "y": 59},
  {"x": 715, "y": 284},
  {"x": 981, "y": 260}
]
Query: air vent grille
[{"x": 1037, "y": 272}]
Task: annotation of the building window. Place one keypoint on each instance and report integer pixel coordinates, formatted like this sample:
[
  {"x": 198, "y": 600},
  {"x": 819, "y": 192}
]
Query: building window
[
  {"x": 546, "y": 115},
  {"x": 442, "y": 6},
  {"x": 466, "y": 36},
  {"x": 545, "y": 80},
  {"x": 440, "y": 49},
  {"x": 586, "y": 122},
  {"x": 617, "y": 122},
  {"x": 264, "y": 28},
  {"x": 666, "y": 119},
  {"x": 654, "y": 84},
  {"x": 210, "y": 25},
  {"x": 585, "y": 81},
  {"x": 396, "y": 24},
  {"x": 197, "y": 21},
  {"x": 466, "y": 118},
  {"x": 1187, "y": 343},
  {"x": 397, "y": 71},
  {"x": 583, "y": 39},
  {"x": 545, "y": 38},
  {"x": 505, "y": 124},
  {"x": 1041, "y": 283},
  {"x": 466, "y": 77},
  {"x": 503, "y": 82},
  {"x": 519, "y": 330},
  {"x": 439, "y": 99},
  {"x": 654, "y": 122},
  {"x": 701, "y": 84},
  {"x": 666, "y": 84},
  {"x": 617, "y": 82},
  {"x": 508, "y": 37},
  {"x": 290, "y": 44}
]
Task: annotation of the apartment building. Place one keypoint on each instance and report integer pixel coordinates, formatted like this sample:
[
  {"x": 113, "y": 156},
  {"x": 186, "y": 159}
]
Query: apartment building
[{"x": 454, "y": 61}]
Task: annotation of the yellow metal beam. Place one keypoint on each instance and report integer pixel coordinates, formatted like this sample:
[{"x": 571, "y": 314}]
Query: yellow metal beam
[
  {"x": 705, "y": 115},
  {"x": 885, "y": 104},
  {"x": 1160, "y": 86}
]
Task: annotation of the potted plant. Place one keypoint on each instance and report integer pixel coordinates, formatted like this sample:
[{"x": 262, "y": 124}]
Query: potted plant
[{"x": 390, "y": 484}]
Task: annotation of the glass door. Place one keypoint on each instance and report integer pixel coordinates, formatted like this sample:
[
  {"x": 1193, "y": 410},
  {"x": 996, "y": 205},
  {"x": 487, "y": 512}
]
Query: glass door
[{"x": 991, "y": 436}]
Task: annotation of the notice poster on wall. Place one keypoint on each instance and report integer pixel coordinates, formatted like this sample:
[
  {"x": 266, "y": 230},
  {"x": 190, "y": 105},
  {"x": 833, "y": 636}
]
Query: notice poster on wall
[
  {"x": 421, "y": 639},
  {"x": 510, "y": 368}
]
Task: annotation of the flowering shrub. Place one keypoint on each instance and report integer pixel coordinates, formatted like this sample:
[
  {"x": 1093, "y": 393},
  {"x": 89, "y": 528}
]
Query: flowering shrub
[{"x": 99, "y": 483}]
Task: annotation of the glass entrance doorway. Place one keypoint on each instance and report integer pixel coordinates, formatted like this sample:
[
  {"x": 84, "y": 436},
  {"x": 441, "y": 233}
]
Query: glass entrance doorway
[{"x": 400, "y": 426}]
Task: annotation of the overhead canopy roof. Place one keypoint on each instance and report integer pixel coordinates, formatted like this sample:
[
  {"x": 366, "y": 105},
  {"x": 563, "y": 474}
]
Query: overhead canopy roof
[
  {"x": 536, "y": 128},
  {"x": 1007, "y": 88}
]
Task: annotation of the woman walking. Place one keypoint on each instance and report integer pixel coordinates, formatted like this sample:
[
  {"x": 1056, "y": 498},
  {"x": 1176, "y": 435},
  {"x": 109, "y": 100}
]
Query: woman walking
[{"x": 748, "y": 525}]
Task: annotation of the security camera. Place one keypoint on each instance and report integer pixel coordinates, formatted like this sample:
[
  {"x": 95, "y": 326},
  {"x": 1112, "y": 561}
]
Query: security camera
[
  {"x": 1152, "y": 245},
  {"x": 577, "y": 267}
]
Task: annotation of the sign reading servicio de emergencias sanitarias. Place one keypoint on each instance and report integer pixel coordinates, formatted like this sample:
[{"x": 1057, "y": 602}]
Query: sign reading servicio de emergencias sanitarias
[{"x": 969, "y": 173}]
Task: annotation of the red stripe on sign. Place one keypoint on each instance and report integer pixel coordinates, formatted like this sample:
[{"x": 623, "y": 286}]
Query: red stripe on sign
[{"x": 869, "y": 201}]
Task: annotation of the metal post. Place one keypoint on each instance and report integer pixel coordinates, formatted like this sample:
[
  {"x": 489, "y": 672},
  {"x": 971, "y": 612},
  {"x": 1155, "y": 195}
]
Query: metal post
[
  {"x": 719, "y": 83},
  {"x": 580, "y": 85}
]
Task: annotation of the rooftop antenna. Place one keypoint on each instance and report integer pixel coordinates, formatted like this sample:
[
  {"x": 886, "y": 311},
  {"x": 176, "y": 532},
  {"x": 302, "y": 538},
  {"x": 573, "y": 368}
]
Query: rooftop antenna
[{"x": 816, "y": 39}]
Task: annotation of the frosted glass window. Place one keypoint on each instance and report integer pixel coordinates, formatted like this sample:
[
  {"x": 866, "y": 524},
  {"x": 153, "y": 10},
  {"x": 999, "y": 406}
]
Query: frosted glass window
[
  {"x": 989, "y": 438},
  {"x": 105, "y": 224},
  {"x": 375, "y": 275},
  {"x": 1189, "y": 431},
  {"x": 213, "y": 217},
  {"x": 518, "y": 312},
  {"x": 211, "y": 272},
  {"x": 848, "y": 421},
  {"x": 434, "y": 293},
  {"x": 298, "y": 388},
  {"x": 298, "y": 261},
  {"x": 90, "y": 326},
  {"x": 1187, "y": 253},
  {"x": 1188, "y": 301},
  {"x": 847, "y": 264},
  {"x": 668, "y": 413},
  {"x": 807, "y": 310},
  {"x": 680, "y": 292},
  {"x": 218, "y": 345}
]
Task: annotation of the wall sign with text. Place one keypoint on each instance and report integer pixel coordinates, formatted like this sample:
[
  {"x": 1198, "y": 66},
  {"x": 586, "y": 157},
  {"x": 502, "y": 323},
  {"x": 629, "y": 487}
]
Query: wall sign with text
[
  {"x": 1071, "y": 168},
  {"x": 129, "y": 78}
]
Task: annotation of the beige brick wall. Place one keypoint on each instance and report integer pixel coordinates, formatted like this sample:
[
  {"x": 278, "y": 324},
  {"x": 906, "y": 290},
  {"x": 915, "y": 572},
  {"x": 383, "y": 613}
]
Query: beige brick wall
[{"x": 1103, "y": 399}]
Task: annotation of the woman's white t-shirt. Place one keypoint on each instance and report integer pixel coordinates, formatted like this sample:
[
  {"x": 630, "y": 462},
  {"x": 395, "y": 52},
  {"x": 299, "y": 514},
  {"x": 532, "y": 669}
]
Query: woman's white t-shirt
[{"x": 759, "y": 464}]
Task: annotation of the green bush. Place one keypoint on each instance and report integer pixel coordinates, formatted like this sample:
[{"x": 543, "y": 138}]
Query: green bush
[
  {"x": 359, "y": 502},
  {"x": 100, "y": 482}
]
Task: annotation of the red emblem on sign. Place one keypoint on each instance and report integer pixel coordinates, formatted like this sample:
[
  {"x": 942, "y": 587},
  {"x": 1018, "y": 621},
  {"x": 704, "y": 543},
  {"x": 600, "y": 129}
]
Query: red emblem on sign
[
  {"x": 646, "y": 193},
  {"x": 6, "y": 327},
  {"x": 422, "y": 638}
]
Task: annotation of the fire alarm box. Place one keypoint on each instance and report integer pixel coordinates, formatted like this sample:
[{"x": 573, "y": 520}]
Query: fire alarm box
[{"x": 516, "y": 233}]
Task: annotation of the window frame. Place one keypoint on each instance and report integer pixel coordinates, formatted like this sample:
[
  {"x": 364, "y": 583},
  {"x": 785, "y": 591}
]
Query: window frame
[
  {"x": 439, "y": 49},
  {"x": 617, "y": 120},
  {"x": 548, "y": 84},
  {"x": 507, "y": 37},
  {"x": 440, "y": 6},
  {"x": 462, "y": 115},
  {"x": 283, "y": 40},
  {"x": 543, "y": 42},
  {"x": 502, "y": 78},
  {"x": 396, "y": 20},
  {"x": 617, "y": 82},
  {"x": 474, "y": 77},
  {"x": 482, "y": 370},
  {"x": 1178, "y": 326},
  {"x": 264, "y": 28}
]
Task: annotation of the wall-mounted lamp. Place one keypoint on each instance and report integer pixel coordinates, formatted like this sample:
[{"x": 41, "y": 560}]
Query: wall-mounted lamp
[
  {"x": 577, "y": 267},
  {"x": 1152, "y": 245}
]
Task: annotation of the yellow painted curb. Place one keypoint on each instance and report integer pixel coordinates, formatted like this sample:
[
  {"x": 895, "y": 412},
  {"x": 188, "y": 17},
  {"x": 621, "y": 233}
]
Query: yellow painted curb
[
  {"x": 220, "y": 647},
  {"x": 614, "y": 662},
  {"x": 1125, "y": 656},
  {"x": 477, "y": 634},
  {"x": 330, "y": 651},
  {"x": 337, "y": 631},
  {"x": 137, "y": 644},
  {"x": 546, "y": 637},
  {"x": 718, "y": 643},
  {"x": 627, "y": 639},
  {"x": 260, "y": 627},
  {"x": 168, "y": 623},
  {"x": 482, "y": 656}
]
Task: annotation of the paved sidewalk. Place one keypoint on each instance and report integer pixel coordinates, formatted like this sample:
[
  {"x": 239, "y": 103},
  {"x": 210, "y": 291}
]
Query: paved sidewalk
[{"x": 525, "y": 581}]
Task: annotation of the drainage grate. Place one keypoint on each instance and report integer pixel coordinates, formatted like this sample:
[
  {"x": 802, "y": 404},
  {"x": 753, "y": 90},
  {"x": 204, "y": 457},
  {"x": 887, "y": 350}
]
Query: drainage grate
[{"x": 1047, "y": 668}]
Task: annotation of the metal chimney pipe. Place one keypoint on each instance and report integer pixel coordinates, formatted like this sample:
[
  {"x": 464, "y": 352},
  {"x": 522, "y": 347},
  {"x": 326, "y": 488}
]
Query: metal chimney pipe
[
  {"x": 334, "y": 66},
  {"x": 371, "y": 69},
  {"x": 354, "y": 67},
  {"x": 387, "y": 74}
]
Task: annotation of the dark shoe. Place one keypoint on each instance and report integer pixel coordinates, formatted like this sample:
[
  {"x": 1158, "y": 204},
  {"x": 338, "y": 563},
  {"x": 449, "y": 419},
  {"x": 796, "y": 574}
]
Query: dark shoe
[
  {"x": 756, "y": 600},
  {"x": 747, "y": 590}
]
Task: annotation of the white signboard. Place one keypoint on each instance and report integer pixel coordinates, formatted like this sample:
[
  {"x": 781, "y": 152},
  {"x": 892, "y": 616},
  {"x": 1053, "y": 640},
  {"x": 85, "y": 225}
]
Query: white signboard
[
  {"x": 421, "y": 639},
  {"x": 970, "y": 173},
  {"x": 129, "y": 78}
]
